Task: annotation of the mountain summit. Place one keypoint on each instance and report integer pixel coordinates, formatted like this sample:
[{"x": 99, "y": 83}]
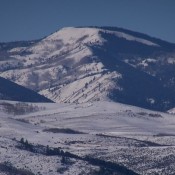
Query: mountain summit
[{"x": 95, "y": 63}]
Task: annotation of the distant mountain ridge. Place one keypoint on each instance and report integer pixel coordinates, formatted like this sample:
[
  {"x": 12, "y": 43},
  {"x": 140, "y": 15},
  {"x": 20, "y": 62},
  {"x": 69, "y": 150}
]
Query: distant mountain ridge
[
  {"x": 14, "y": 92},
  {"x": 81, "y": 64}
]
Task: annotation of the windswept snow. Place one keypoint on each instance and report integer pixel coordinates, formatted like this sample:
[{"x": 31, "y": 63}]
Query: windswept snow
[
  {"x": 133, "y": 38},
  {"x": 71, "y": 35}
]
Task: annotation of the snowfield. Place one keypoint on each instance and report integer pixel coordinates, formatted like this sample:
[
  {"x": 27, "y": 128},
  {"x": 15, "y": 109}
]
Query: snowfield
[{"x": 140, "y": 140}]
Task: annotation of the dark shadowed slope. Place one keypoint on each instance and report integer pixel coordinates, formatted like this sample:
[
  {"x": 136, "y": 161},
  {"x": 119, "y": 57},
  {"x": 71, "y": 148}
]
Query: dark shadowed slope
[{"x": 12, "y": 91}]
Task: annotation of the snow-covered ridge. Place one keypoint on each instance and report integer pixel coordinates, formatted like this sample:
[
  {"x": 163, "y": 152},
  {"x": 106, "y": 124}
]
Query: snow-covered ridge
[
  {"x": 91, "y": 35},
  {"x": 133, "y": 38},
  {"x": 17, "y": 49},
  {"x": 171, "y": 111},
  {"x": 70, "y": 35}
]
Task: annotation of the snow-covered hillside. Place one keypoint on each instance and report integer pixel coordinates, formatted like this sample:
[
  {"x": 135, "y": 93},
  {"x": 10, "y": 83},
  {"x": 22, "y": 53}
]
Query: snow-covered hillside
[
  {"x": 91, "y": 64},
  {"x": 139, "y": 140},
  {"x": 60, "y": 66}
]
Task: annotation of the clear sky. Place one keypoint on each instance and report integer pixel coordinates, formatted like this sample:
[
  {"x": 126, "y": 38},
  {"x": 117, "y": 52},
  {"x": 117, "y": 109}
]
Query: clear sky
[{"x": 33, "y": 19}]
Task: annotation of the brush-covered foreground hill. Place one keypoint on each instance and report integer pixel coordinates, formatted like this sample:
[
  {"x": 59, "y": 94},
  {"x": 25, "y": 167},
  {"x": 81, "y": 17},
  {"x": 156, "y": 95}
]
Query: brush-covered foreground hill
[{"x": 91, "y": 139}]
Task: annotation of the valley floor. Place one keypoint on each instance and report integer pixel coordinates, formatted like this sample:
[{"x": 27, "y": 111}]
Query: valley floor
[{"x": 90, "y": 138}]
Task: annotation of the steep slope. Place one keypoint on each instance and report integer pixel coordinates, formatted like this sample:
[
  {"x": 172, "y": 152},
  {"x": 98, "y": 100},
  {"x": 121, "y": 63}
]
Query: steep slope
[
  {"x": 91, "y": 63},
  {"x": 12, "y": 91},
  {"x": 156, "y": 61}
]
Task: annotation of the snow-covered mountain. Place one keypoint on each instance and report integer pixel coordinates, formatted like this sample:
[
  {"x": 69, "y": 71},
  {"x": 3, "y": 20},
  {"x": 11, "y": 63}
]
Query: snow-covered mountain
[{"x": 95, "y": 63}]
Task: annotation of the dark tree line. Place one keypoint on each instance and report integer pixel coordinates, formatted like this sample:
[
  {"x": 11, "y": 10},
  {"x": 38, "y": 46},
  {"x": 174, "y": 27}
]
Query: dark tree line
[{"x": 106, "y": 167}]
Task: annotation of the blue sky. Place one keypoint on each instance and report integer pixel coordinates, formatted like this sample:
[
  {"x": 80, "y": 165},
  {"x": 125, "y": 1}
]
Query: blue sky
[{"x": 33, "y": 19}]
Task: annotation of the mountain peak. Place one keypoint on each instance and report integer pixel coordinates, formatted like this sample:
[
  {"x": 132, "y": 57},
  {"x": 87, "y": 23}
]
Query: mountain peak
[
  {"x": 71, "y": 35},
  {"x": 87, "y": 35},
  {"x": 81, "y": 64}
]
